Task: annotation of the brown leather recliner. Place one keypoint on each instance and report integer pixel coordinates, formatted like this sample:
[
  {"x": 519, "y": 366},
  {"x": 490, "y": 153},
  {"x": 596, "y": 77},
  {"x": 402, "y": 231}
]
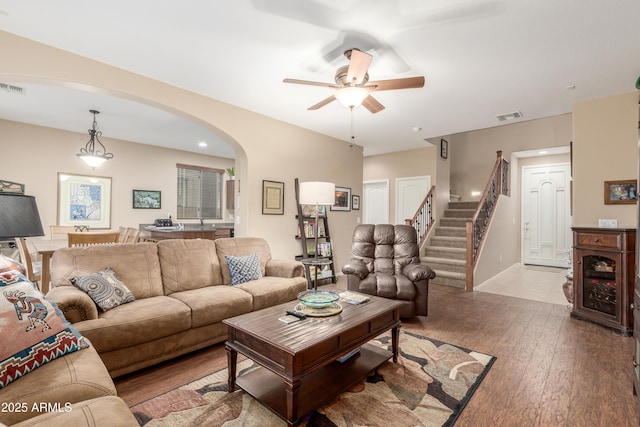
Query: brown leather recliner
[{"x": 385, "y": 262}]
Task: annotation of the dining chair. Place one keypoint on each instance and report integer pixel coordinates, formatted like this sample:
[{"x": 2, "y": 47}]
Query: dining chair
[
  {"x": 132, "y": 235},
  {"x": 87, "y": 239},
  {"x": 60, "y": 231},
  {"x": 33, "y": 268}
]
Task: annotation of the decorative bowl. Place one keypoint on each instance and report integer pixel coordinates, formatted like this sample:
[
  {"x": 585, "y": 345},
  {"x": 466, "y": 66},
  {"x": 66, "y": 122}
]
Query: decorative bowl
[{"x": 318, "y": 299}]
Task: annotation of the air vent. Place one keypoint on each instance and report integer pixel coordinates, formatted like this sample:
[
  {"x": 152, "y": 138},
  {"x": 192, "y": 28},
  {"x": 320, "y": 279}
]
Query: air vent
[
  {"x": 509, "y": 116},
  {"x": 13, "y": 89}
]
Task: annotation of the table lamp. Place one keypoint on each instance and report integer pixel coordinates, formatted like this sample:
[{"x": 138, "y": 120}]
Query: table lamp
[
  {"x": 318, "y": 194},
  {"x": 19, "y": 217}
]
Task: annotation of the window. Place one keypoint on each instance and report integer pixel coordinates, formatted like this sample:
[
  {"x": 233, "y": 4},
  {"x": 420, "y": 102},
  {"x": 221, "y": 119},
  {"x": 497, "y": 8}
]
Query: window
[{"x": 199, "y": 192}]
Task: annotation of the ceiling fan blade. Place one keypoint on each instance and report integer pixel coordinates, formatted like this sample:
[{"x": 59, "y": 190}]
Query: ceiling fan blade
[
  {"x": 322, "y": 103},
  {"x": 310, "y": 83},
  {"x": 406, "y": 83},
  {"x": 371, "y": 104},
  {"x": 358, "y": 66}
]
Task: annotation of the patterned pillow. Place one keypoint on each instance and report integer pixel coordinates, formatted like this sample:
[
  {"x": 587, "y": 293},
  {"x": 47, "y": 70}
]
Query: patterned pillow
[
  {"x": 104, "y": 288},
  {"x": 243, "y": 268},
  {"x": 34, "y": 331}
]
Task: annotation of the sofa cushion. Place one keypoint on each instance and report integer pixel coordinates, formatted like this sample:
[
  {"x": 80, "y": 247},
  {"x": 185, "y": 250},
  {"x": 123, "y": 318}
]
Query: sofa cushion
[
  {"x": 34, "y": 331},
  {"x": 270, "y": 291},
  {"x": 239, "y": 246},
  {"x": 188, "y": 264},
  {"x": 136, "y": 264},
  {"x": 243, "y": 268},
  {"x": 73, "y": 378},
  {"x": 104, "y": 288},
  {"x": 215, "y": 303},
  {"x": 141, "y": 321}
]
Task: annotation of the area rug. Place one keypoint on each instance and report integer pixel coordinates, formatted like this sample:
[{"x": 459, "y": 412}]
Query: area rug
[{"x": 429, "y": 386}]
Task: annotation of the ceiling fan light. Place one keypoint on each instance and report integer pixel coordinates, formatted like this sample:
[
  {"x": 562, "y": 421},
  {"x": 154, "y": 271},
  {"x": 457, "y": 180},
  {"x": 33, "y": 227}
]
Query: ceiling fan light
[{"x": 352, "y": 97}]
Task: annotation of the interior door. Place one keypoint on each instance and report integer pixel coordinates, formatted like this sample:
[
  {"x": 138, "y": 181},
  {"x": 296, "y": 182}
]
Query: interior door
[
  {"x": 410, "y": 192},
  {"x": 546, "y": 215},
  {"x": 375, "y": 202}
]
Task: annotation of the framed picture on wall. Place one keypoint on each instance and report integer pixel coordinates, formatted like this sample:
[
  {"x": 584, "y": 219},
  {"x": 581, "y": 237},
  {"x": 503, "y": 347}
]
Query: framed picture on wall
[
  {"x": 84, "y": 201},
  {"x": 343, "y": 199},
  {"x": 444, "y": 148},
  {"x": 147, "y": 199},
  {"x": 355, "y": 202},
  {"x": 621, "y": 192},
  {"x": 272, "y": 198}
]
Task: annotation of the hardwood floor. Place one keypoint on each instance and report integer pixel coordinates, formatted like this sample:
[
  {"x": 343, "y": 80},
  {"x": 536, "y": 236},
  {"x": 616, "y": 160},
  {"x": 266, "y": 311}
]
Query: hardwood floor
[{"x": 551, "y": 370}]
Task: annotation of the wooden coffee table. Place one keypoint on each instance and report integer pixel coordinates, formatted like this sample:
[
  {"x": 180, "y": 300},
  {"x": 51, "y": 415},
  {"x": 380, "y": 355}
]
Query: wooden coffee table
[{"x": 299, "y": 369}]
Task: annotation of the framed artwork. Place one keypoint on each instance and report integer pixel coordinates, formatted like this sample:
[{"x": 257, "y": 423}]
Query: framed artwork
[
  {"x": 272, "y": 198},
  {"x": 84, "y": 201},
  {"x": 621, "y": 192},
  {"x": 444, "y": 148},
  {"x": 147, "y": 199},
  {"x": 355, "y": 202},
  {"x": 343, "y": 199}
]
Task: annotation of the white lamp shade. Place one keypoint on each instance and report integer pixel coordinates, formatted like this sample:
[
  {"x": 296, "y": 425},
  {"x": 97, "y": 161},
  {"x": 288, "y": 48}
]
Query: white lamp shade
[
  {"x": 315, "y": 192},
  {"x": 351, "y": 97}
]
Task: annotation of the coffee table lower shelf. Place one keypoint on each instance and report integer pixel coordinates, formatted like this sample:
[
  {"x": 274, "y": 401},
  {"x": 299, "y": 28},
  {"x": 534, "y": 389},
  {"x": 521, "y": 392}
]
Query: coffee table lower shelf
[{"x": 318, "y": 387}]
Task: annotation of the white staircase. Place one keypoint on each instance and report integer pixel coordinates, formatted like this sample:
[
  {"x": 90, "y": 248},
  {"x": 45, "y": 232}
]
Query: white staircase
[{"x": 446, "y": 250}]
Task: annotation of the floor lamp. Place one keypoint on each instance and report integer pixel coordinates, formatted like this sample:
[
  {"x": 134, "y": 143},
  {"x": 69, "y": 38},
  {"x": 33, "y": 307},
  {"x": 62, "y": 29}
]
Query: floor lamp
[
  {"x": 318, "y": 194},
  {"x": 19, "y": 217}
]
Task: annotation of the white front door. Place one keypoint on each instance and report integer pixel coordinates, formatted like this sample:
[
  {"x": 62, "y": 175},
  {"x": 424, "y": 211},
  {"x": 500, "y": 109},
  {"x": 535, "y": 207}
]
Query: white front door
[
  {"x": 375, "y": 202},
  {"x": 546, "y": 214},
  {"x": 410, "y": 192}
]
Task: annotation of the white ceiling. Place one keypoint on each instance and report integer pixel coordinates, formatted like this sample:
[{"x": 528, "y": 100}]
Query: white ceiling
[{"x": 480, "y": 58}]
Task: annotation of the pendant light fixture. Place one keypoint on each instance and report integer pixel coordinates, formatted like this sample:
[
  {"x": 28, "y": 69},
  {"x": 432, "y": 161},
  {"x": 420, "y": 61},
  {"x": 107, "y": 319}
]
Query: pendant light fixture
[{"x": 91, "y": 154}]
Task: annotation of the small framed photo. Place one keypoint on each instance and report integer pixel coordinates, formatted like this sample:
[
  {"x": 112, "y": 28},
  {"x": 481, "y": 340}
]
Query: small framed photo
[
  {"x": 272, "y": 198},
  {"x": 444, "y": 148},
  {"x": 621, "y": 192},
  {"x": 355, "y": 202},
  {"x": 343, "y": 199},
  {"x": 147, "y": 199}
]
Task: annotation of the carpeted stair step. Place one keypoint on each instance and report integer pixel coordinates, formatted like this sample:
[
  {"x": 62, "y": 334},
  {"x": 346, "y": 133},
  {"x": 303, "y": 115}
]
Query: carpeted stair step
[
  {"x": 459, "y": 213},
  {"x": 446, "y": 253},
  {"x": 448, "y": 242},
  {"x": 445, "y": 264},
  {"x": 451, "y": 232},
  {"x": 463, "y": 205},
  {"x": 448, "y": 278},
  {"x": 454, "y": 222}
]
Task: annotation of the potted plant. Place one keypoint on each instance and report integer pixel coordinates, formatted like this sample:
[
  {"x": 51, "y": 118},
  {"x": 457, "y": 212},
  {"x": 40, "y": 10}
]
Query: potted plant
[{"x": 232, "y": 172}]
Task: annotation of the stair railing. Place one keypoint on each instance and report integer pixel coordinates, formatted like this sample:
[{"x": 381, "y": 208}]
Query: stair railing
[
  {"x": 423, "y": 219},
  {"x": 476, "y": 227}
]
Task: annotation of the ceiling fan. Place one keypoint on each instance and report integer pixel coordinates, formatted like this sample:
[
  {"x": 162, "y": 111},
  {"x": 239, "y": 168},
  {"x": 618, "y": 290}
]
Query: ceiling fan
[{"x": 352, "y": 82}]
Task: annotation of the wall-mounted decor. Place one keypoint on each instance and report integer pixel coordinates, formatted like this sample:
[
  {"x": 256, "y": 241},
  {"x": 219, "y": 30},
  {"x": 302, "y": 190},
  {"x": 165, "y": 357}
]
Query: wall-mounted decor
[
  {"x": 355, "y": 202},
  {"x": 444, "y": 148},
  {"x": 84, "y": 200},
  {"x": 343, "y": 199},
  {"x": 147, "y": 199},
  {"x": 621, "y": 192},
  {"x": 272, "y": 198}
]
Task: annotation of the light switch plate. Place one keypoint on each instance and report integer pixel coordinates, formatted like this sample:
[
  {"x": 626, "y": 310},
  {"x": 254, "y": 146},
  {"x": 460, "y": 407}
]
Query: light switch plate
[{"x": 607, "y": 223}]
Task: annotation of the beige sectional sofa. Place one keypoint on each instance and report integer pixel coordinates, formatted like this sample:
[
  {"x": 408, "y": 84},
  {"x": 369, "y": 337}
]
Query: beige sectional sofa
[{"x": 182, "y": 293}]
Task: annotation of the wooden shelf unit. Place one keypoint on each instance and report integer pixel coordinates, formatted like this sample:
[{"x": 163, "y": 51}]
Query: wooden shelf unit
[{"x": 603, "y": 272}]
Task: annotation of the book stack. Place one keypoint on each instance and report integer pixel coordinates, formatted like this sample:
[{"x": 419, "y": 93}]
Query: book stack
[{"x": 353, "y": 297}]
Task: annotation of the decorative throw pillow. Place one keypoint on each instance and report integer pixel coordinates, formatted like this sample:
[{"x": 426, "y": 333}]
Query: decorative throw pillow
[
  {"x": 104, "y": 288},
  {"x": 243, "y": 268},
  {"x": 34, "y": 331}
]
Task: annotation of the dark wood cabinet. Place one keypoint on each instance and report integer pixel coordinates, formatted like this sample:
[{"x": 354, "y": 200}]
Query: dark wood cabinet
[{"x": 603, "y": 276}]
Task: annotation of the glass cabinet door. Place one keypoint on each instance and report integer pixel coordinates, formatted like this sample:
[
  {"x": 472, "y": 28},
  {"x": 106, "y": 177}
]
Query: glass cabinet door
[{"x": 599, "y": 284}]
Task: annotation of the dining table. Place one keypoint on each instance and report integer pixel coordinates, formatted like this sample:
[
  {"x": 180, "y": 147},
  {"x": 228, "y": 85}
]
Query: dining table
[{"x": 46, "y": 247}]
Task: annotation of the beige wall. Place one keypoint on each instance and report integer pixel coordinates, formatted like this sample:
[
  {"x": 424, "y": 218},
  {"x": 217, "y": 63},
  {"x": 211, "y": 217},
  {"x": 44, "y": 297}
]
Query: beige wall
[
  {"x": 402, "y": 164},
  {"x": 44, "y": 152},
  {"x": 605, "y": 148},
  {"x": 473, "y": 154},
  {"x": 265, "y": 148}
]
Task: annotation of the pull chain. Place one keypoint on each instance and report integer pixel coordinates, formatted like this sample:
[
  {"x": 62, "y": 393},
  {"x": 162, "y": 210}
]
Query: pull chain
[{"x": 353, "y": 136}]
